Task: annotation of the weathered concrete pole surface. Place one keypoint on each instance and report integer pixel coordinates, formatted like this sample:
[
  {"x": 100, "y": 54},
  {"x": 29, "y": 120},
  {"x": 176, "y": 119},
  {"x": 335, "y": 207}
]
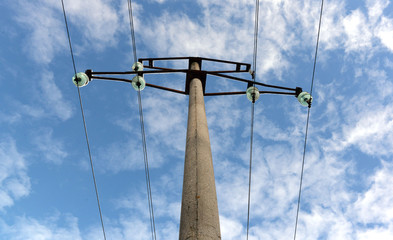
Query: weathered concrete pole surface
[{"x": 199, "y": 211}]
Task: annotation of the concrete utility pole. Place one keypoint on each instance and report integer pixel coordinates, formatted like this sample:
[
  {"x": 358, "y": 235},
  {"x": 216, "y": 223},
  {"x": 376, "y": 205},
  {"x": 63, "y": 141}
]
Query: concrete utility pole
[
  {"x": 199, "y": 211},
  {"x": 199, "y": 218}
]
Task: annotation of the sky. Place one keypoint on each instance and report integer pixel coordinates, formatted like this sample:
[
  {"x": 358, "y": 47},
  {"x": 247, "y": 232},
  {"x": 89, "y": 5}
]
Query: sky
[{"x": 46, "y": 185}]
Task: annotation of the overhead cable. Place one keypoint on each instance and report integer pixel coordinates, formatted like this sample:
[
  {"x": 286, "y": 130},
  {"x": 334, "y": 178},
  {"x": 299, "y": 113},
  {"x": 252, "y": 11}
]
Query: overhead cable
[
  {"x": 84, "y": 124},
  {"x": 147, "y": 174},
  {"x": 256, "y": 28},
  {"x": 254, "y": 65},
  {"x": 250, "y": 169},
  {"x": 145, "y": 158},
  {"x": 131, "y": 18},
  {"x": 307, "y": 123}
]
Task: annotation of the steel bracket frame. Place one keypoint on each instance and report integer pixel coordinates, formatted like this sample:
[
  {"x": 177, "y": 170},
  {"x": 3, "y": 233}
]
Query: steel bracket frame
[{"x": 238, "y": 67}]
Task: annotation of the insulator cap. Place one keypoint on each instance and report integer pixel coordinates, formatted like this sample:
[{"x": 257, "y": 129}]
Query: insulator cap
[
  {"x": 252, "y": 94},
  {"x": 80, "y": 79},
  {"x": 138, "y": 66},
  {"x": 138, "y": 82},
  {"x": 305, "y": 99}
]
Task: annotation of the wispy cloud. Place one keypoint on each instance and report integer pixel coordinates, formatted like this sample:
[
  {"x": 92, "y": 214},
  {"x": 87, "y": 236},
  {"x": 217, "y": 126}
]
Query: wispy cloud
[
  {"x": 52, "y": 97},
  {"x": 9, "y": 118},
  {"x": 44, "y": 100},
  {"x": 14, "y": 181},
  {"x": 97, "y": 21},
  {"x": 30, "y": 228},
  {"x": 46, "y": 31},
  {"x": 165, "y": 126},
  {"x": 375, "y": 206},
  {"x": 367, "y": 122},
  {"x": 51, "y": 148},
  {"x": 384, "y": 31},
  {"x": 359, "y": 35},
  {"x": 176, "y": 34}
]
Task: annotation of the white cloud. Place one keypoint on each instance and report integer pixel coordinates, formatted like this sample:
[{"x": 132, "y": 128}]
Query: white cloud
[
  {"x": 48, "y": 229},
  {"x": 375, "y": 9},
  {"x": 175, "y": 34},
  {"x": 128, "y": 155},
  {"x": 47, "y": 36},
  {"x": 360, "y": 119},
  {"x": 14, "y": 182},
  {"x": 388, "y": 63},
  {"x": 30, "y": 110},
  {"x": 384, "y": 32},
  {"x": 379, "y": 233},
  {"x": 121, "y": 156},
  {"x": 66, "y": 227},
  {"x": 357, "y": 30},
  {"x": 44, "y": 100},
  {"x": 230, "y": 228},
  {"x": 373, "y": 209},
  {"x": 10, "y": 118},
  {"x": 332, "y": 28},
  {"x": 324, "y": 222},
  {"x": 376, "y": 204},
  {"x": 378, "y": 78},
  {"x": 51, "y": 148},
  {"x": 285, "y": 27},
  {"x": 52, "y": 97},
  {"x": 223, "y": 117},
  {"x": 166, "y": 119},
  {"x": 371, "y": 133},
  {"x": 165, "y": 128},
  {"x": 136, "y": 228},
  {"x": 97, "y": 21}
]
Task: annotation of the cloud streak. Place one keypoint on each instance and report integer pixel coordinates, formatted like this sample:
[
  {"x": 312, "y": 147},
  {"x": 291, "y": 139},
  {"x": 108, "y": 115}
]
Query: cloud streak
[{"x": 14, "y": 181}]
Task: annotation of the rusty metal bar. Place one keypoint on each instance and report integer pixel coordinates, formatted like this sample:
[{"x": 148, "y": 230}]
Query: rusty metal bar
[
  {"x": 250, "y": 82},
  {"x": 240, "y": 93},
  {"x": 142, "y": 72},
  {"x": 165, "y": 88},
  {"x": 224, "y": 93},
  {"x": 112, "y": 79}
]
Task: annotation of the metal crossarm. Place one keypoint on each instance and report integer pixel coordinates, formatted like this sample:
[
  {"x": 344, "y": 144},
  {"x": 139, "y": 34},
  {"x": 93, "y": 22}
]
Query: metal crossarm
[
  {"x": 233, "y": 67},
  {"x": 239, "y": 67}
]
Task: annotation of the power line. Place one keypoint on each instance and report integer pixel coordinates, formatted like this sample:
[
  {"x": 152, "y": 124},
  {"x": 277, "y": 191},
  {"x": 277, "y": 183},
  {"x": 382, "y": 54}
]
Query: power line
[
  {"x": 91, "y": 165},
  {"x": 147, "y": 174},
  {"x": 68, "y": 35},
  {"x": 145, "y": 158},
  {"x": 130, "y": 16},
  {"x": 84, "y": 124},
  {"x": 256, "y": 28},
  {"x": 316, "y": 47},
  {"x": 255, "y": 53},
  {"x": 308, "y": 120},
  {"x": 250, "y": 169}
]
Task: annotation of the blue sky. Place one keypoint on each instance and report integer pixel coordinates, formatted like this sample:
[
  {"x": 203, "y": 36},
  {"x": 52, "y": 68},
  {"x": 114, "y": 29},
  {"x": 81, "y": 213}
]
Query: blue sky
[{"x": 46, "y": 188}]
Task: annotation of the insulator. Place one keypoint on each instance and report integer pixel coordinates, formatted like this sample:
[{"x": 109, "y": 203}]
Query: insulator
[
  {"x": 138, "y": 82},
  {"x": 305, "y": 99},
  {"x": 252, "y": 94},
  {"x": 80, "y": 79},
  {"x": 138, "y": 66}
]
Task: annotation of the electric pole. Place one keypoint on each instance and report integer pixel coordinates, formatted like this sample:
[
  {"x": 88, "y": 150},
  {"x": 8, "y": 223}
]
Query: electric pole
[
  {"x": 199, "y": 218},
  {"x": 199, "y": 211}
]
